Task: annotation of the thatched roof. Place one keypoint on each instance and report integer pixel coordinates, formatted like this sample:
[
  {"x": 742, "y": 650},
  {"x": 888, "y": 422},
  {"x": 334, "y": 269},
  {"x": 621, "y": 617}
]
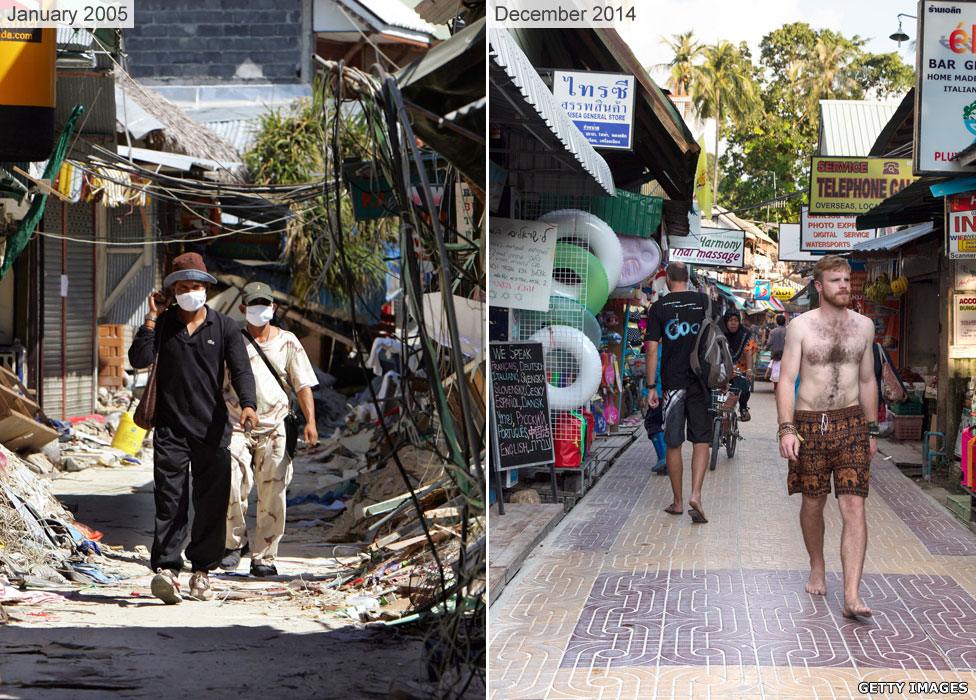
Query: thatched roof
[{"x": 180, "y": 134}]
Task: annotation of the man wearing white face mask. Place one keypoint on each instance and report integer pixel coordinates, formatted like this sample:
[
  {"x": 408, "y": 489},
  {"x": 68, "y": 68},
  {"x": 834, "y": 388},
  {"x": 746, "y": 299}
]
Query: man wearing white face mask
[
  {"x": 281, "y": 368},
  {"x": 191, "y": 344}
]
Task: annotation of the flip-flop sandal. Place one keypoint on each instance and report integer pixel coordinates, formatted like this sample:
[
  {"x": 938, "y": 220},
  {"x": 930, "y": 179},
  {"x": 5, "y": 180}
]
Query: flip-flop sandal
[
  {"x": 696, "y": 515},
  {"x": 671, "y": 511}
]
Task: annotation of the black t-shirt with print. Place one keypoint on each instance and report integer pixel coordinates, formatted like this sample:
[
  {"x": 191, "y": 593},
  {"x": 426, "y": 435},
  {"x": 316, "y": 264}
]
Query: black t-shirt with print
[{"x": 674, "y": 321}]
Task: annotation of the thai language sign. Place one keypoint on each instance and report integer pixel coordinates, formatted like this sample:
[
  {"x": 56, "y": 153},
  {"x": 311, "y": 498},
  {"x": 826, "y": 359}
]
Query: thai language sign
[
  {"x": 961, "y": 226},
  {"x": 521, "y": 258},
  {"x": 855, "y": 185},
  {"x": 600, "y": 104},
  {"x": 830, "y": 234},
  {"x": 519, "y": 405},
  {"x": 945, "y": 98},
  {"x": 713, "y": 247}
]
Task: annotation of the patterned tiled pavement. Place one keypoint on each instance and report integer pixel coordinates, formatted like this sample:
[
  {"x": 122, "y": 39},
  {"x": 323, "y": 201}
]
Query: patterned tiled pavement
[{"x": 625, "y": 601}]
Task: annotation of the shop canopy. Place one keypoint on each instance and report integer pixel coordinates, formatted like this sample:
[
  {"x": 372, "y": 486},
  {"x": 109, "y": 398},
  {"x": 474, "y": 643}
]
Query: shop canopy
[
  {"x": 664, "y": 148},
  {"x": 893, "y": 241},
  {"x": 519, "y": 97},
  {"x": 913, "y": 205},
  {"x": 730, "y": 294}
]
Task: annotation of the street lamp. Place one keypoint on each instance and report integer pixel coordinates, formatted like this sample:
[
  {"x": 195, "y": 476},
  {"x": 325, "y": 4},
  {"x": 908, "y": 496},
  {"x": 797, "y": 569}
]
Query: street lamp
[{"x": 900, "y": 35}]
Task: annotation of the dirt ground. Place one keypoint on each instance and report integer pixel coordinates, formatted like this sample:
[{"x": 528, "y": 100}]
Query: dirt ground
[{"x": 282, "y": 637}]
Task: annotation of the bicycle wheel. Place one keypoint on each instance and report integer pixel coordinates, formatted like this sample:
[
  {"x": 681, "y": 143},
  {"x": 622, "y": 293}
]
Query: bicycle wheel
[
  {"x": 716, "y": 443},
  {"x": 733, "y": 437}
]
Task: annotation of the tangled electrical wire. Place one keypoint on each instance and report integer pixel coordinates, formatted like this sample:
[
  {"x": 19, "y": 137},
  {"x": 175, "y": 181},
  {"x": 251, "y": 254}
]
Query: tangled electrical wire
[{"x": 438, "y": 410}]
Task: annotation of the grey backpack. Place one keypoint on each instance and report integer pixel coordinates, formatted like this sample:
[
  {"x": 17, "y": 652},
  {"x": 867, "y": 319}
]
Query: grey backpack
[{"x": 711, "y": 360}]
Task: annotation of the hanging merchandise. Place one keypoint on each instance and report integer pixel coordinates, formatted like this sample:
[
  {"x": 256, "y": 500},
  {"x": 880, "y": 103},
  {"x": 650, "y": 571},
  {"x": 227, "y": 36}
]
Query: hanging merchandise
[
  {"x": 581, "y": 225},
  {"x": 27, "y": 94},
  {"x": 563, "y": 311},
  {"x": 587, "y": 282},
  {"x": 607, "y": 363},
  {"x": 587, "y": 371},
  {"x": 610, "y": 411},
  {"x": 642, "y": 258}
]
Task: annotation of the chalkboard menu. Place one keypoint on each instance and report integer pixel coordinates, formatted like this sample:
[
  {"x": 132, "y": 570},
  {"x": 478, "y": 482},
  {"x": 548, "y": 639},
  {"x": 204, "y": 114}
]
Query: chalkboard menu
[{"x": 519, "y": 405}]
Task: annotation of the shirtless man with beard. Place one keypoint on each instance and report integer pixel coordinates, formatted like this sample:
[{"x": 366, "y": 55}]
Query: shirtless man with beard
[{"x": 831, "y": 432}]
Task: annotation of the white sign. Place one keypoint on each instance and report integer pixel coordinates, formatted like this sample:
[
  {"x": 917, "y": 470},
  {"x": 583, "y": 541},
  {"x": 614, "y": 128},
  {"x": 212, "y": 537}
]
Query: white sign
[
  {"x": 961, "y": 223},
  {"x": 966, "y": 275},
  {"x": 830, "y": 234},
  {"x": 714, "y": 247},
  {"x": 964, "y": 318},
  {"x": 600, "y": 104},
  {"x": 945, "y": 99},
  {"x": 789, "y": 245},
  {"x": 520, "y": 261}
]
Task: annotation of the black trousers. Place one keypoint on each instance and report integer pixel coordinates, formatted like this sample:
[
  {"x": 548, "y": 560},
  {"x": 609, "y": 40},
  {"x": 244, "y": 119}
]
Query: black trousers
[
  {"x": 177, "y": 459},
  {"x": 744, "y": 386}
]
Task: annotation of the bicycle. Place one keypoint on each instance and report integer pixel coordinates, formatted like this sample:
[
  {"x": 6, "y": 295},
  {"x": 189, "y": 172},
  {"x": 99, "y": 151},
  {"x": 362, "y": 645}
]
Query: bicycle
[{"x": 725, "y": 424}]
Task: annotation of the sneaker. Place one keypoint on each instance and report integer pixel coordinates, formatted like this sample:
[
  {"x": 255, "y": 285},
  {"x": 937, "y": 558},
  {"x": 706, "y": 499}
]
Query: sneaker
[
  {"x": 261, "y": 570},
  {"x": 200, "y": 586},
  {"x": 660, "y": 468},
  {"x": 744, "y": 415},
  {"x": 231, "y": 560},
  {"x": 166, "y": 586}
]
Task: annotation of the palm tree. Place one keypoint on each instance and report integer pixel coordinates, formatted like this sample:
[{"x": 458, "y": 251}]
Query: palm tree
[
  {"x": 829, "y": 73},
  {"x": 687, "y": 52},
  {"x": 723, "y": 88}
]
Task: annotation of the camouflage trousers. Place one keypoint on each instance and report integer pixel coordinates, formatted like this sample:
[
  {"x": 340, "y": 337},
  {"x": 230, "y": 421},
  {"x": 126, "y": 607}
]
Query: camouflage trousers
[{"x": 260, "y": 461}]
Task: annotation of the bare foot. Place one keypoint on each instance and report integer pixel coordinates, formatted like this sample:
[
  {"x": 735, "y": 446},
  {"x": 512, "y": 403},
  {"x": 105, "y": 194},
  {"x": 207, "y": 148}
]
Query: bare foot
[
  {"x": 817, "y": 583},
  {"x": 856, "y": 609}
]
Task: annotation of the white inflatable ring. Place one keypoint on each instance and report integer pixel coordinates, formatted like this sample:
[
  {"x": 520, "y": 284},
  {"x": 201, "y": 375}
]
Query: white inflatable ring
[
  {"x": 575, "y": 223},
  {"x": 642, "y": 258},
  {"x": 574, "y": 342}
]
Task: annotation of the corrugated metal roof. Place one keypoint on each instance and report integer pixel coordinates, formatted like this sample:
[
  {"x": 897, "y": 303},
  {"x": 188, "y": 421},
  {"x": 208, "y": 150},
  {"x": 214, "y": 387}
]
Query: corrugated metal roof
[
  {"x": 132, "y": 115},
  {"x": 239, "y": 133},
  {"x": 893, "y": 240},
  {"x": 850, "y": 127},
  {"x": 391, "y": 12},
  {"x": 506, "y": 54}
]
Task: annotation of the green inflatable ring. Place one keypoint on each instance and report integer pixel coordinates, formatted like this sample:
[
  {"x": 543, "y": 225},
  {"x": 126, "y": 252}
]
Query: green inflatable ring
[
  {"x": 562, "y": 312},
  {"x": 593, "y": 286}
]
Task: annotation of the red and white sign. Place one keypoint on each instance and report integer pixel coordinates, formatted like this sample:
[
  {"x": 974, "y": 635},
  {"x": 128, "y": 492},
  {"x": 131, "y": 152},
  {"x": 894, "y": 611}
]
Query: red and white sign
[
  {"x": 961, "y": 241},
  {"x": 830, "y": 234}
]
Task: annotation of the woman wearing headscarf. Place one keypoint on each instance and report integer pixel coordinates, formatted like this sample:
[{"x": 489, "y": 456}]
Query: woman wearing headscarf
[{"x": 743, "y": 346}]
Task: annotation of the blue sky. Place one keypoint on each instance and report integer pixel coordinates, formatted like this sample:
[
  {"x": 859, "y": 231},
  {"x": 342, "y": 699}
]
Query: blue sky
[{"x": 749, "y": 20}]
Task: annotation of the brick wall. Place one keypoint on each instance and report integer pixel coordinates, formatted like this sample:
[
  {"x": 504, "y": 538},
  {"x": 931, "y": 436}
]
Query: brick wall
[{"x": 214, "y": 41}]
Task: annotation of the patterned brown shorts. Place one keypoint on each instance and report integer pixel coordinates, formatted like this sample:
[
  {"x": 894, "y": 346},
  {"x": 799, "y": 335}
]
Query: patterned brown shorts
[{"x": 834, "y": 442}]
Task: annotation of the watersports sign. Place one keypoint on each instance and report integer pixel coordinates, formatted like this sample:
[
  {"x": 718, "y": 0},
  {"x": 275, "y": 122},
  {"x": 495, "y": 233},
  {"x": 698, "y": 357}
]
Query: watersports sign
[
  {"x": 855, "y": 185},
  {"x": 713, "y": 247},
  {"x": 600, "y": 104},
  {"x": 961, "y": 226},
  {"x": 830, "y": 234},
  {"x": 945, "y": 97}
]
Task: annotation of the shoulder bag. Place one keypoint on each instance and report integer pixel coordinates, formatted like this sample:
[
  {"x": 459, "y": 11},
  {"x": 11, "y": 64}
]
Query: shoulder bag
[
  {"x": 145, "y": 415},
  {"x": 892, "y": 389},
  {"x": 291, "y": 420}
]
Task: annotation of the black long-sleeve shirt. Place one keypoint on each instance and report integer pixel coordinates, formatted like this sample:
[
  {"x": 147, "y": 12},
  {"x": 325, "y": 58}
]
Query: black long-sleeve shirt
[{"x": 189, "y": 379}]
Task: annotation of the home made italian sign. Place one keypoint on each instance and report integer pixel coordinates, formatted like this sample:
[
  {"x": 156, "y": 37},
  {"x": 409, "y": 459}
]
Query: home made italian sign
[
  {"x": 855, "y": 185},
  {"x": 830, "y": 234},
  {"x": 945, "y": 98}
]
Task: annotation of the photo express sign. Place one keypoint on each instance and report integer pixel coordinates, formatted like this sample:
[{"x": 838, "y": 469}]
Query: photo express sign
[
  {"x": 830, "y": 234},
  {"x": 945, "y": 98},
  {"x": 714, "y": 247},
  {"x": 600, "y": 104},
  {"x": 855, "y": 185}
]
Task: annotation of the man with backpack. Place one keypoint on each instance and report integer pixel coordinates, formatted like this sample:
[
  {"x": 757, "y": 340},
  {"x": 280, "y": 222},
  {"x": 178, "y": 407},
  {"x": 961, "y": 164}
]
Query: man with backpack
[{"x": 677, "y": 321}]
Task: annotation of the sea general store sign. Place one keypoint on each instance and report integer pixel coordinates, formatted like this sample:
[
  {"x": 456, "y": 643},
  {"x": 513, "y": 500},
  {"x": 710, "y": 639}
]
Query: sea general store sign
[
  {"x": 713, "y": 247},
  {"x": 945, "y": 98},
  {"x": 855, "y": 185},
  {"x": 600, "y": 104},
  {"x": 961, "y": 226},
  {"x": 830, "y": 234}
]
